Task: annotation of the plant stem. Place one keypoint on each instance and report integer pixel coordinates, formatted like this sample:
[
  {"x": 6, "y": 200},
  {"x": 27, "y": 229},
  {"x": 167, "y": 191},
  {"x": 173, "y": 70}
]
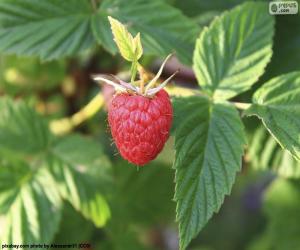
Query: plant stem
[
  {"x": 133, "y": 71},
  {"x": 241, "y": 105},
  {"x": 94, "y": 4},
  {"x": 66, "y": 125},
  {"x": 142, "y": 84}
]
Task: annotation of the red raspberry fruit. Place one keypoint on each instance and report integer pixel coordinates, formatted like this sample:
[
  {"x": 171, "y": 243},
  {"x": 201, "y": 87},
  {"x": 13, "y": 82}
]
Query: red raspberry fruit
[{"x": 140, "y": 125}]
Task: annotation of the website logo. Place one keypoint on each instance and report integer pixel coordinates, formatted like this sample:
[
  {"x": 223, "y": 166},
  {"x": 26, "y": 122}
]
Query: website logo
[{"x": 283, "y": 7}]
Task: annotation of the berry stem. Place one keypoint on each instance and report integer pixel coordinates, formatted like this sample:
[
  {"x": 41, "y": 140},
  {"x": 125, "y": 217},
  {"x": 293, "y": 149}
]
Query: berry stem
[
  {"x": 142, "y": 78},
  {"x": 145, "y": 76},
  {"x": 133, "y": 70},
  {"x": 136, "y": 67},
  {"x": 94, "y": 5},
  {"x": 142, "y": 85}
]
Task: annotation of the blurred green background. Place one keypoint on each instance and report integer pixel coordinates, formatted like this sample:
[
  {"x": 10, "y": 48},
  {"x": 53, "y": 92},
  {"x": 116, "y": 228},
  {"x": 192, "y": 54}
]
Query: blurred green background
[{"x": 137, "y": 211}]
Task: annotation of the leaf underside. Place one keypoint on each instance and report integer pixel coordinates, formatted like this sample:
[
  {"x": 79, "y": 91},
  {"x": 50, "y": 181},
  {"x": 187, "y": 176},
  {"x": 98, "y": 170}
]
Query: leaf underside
[
  {"x": 277, "y": 103},
  {"x": 264, "y": 153}
]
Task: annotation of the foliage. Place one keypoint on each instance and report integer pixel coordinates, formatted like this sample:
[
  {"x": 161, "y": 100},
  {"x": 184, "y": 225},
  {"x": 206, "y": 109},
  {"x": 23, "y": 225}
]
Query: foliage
[
  {"x": 73, "y": 26},
  {"x": 45, "y": 177},
  {"x": 209, "y": 146},
  {"x": 264, "y": 153},
  {"x": 130, "y": 48},
  {"x": 277, "y": 104},
  {"x": 232, "y": 53},
  {"x": 165, "y": 31},
  {"x": 38, "y": 172}
]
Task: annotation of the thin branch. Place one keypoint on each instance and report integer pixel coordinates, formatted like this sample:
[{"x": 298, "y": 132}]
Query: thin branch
[
  {"x": 94, "y": 4},
  {"x": 66, "y": 125},
  {"x": 241, "y": 105}
]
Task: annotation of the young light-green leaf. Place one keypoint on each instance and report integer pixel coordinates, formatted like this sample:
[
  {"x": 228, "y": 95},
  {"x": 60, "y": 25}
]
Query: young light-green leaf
[
  {"x": 129, "y": 47},
  {"x": 232, "y": 53},
  {"x": 138, "y": 46},
  {"x": 164, "y": 29},
  {"x": 209, "y": 146},
  {"x": 277, "y": 103}
]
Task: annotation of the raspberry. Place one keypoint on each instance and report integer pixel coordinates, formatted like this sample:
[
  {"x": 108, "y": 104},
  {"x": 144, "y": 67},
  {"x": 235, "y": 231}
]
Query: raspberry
[
  {"x": 140, "y": 115},
  {"x": 140, "y": 125}
]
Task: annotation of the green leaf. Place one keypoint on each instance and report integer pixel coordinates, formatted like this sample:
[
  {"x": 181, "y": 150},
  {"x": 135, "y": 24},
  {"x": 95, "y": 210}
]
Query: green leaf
[
  {"x": 277, "y": 103},
  {"x": 22, "y": 130},
  {"x": 209, "y": 147},
  {"x": 129, "y": 47},
  {"x": 72, "y": 157},
  {"x": 164, "y": 29},
  {"x": 29, "y": 195},
  {"x": 232, "y": 53},
  {"x": 30, "y": 205},
  {"x": 83, "y": 152},
  {"x": 264, "y": 153},
  {"x": 80, "y": 190},
  {"x": 49, "y": 29}
]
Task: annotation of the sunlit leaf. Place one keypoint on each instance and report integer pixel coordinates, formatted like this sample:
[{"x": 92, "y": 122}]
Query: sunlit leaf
[
  {"x": 231, "y": 54},
  {"x": 30, "y": 205},
  {"x": 70, "y": 163},
  {"x": 129, "y": 47}
]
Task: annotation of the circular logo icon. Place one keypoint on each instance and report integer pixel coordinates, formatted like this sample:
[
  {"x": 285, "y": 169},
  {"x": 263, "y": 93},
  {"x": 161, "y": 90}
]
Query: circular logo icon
[{"x": 274, "y": 7}]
